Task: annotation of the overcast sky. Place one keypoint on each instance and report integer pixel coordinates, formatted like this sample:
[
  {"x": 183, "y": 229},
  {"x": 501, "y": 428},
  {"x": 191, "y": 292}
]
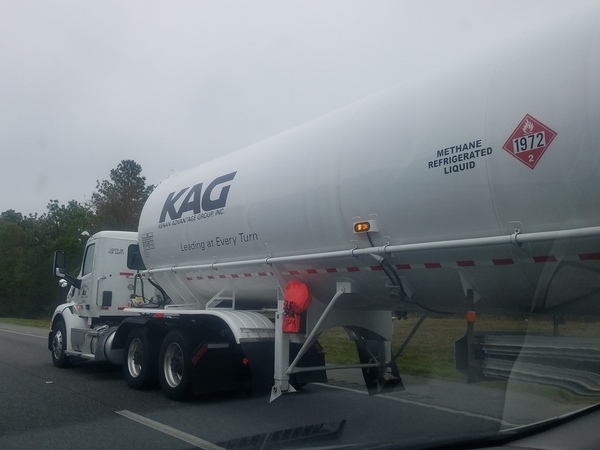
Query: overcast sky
[{"x": 172, "y": 84}]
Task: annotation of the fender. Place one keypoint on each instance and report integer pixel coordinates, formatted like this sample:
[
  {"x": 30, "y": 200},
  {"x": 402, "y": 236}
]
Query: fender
[{"x": 65, "y": 313}]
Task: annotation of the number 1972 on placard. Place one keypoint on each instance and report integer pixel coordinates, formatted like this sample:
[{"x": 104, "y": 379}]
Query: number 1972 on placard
[{"x": 529, "y": 142}]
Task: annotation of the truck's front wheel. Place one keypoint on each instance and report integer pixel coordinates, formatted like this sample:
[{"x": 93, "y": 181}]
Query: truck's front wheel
[
  {"x": 140, "y": 364},
  {"x": 59, "y": 345},
  {"x": 175, "y": 362}
]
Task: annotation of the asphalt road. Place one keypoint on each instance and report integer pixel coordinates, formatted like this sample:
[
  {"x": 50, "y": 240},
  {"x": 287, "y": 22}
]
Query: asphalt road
[{"x": 90, "y": 406}]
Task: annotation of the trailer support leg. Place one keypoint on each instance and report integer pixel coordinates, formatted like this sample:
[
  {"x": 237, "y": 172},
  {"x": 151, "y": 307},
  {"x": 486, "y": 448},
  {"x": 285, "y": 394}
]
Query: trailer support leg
[
  {"x": 282, "y": 356},
  {"x": 283, "y": 369},
  {"x": 315, "y": 331}
]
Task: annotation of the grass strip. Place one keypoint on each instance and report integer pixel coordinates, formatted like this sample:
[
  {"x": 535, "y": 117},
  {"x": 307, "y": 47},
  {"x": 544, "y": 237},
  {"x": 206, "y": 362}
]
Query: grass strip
[{"x": 37, "y": 323}]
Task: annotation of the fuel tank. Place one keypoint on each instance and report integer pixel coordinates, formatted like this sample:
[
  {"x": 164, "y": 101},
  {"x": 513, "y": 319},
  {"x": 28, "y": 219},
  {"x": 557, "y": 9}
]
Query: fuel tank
[{"x": 502, "y": 145}]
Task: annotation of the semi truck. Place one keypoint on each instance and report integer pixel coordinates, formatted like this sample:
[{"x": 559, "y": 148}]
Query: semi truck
[{"x": 473, "y": 187}]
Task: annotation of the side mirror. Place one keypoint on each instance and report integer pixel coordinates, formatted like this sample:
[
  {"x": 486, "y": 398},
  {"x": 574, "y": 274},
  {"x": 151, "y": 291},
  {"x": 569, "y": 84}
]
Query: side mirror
[
  {"x": 60, "y": 270},
  {"x": 60, "y": 264}
]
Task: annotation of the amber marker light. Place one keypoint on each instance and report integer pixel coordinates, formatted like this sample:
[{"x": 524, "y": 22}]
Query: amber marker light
[
  {"x": 365, "y": 226},
  {"x": 362, "y": 227}
]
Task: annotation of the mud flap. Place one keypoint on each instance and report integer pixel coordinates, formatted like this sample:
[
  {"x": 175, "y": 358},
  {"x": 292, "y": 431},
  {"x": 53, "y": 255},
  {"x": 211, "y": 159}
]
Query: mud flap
[
  {"x": 216, "y": 367},
  {"x": 382, "y": 379},
  {"x": 260, "y": 356}
]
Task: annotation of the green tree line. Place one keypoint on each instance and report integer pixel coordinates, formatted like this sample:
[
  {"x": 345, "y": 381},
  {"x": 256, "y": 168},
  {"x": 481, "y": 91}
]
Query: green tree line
[{"x": 27, "y": 243}]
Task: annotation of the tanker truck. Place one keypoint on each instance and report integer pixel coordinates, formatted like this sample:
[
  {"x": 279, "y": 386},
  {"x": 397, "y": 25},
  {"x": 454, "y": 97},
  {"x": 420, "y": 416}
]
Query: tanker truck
[{"x": 479, "y": 182}]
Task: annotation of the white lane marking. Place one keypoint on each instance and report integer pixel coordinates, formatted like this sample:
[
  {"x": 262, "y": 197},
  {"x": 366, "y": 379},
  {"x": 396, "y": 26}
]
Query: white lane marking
[
  {"x": 178, "y": 434},
  {"x": 24, "y": 334},
  {"x": 424, "y": 405}
]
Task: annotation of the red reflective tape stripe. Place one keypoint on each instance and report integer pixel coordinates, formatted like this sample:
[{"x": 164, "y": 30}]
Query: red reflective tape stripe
[
  {"x": 466, "y": 263},
  {"x": 159, "y": 315},
  {"x": 503, "y": 261},
  {"x": 199, "y": 354},
  {"x": 400, "y": 266},
  {"x": 126, "y": 274},
  {"x": 589, "y": 256},
  {"x": 544, "y": 259}
]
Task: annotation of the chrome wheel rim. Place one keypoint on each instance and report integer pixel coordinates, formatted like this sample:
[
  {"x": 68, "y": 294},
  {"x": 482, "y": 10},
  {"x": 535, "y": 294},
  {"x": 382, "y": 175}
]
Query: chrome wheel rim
[
  {"x": 57, "y": 344},
  {"x": 134, "y": 357},
  {"x": 173, "y": 365}
]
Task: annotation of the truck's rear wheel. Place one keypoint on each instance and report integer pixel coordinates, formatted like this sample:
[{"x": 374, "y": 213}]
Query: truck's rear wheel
[
  {"x": 59, "y": 345},
  {"x": 175, "y": 365},
  {"x": 140, "y": 364}
]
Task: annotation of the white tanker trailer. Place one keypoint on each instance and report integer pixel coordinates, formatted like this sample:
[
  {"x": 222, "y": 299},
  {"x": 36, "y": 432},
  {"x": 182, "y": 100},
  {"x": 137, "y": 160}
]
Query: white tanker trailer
[{"x": 483, "y": 179}]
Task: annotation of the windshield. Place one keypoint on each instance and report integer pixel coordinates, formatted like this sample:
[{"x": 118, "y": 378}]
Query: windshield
[{"x": 299, "y": 225}]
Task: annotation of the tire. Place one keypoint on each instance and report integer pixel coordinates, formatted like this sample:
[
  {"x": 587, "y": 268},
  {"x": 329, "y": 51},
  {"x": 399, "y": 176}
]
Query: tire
[
  {"x": 59, "y": 345},
  {"x": 140, "y": 360},
  {"x": 175, "y": 366}
]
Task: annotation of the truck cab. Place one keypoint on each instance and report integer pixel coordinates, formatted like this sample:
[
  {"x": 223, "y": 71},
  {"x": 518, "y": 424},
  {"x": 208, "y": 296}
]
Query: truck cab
[
  {"x": 97, "y": 297},
  {"x": 106, "y": 279}
]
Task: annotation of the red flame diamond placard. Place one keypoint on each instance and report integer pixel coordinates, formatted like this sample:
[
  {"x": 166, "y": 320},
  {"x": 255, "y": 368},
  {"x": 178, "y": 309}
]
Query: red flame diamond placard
[{"x": 529, "y": 141}]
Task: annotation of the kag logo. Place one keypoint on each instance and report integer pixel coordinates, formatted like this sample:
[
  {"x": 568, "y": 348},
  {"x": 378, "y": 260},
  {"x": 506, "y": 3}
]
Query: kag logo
[{"x": 195, "y": 200}]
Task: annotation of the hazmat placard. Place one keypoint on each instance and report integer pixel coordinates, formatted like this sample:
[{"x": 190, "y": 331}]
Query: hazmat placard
[{"x": 529, "y": 141}]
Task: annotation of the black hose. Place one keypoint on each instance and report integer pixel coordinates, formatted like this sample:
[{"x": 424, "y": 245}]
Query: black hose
[{"x": 394, "y": 277}]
